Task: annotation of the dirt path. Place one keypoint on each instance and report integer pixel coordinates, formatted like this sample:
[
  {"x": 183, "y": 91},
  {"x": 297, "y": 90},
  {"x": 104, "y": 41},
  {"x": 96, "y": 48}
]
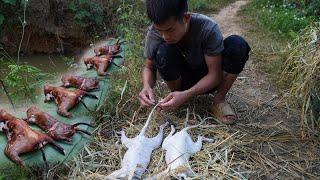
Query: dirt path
[
  {"x": 227, "y": 19},
  {"x": 258, "y": 90}
]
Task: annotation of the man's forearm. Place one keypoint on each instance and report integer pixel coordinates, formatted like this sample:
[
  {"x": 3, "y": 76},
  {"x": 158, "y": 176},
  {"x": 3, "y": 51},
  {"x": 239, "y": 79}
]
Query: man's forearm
[
  {"x": 149, "y": 77},
  {"x": 206, "y": 84}
]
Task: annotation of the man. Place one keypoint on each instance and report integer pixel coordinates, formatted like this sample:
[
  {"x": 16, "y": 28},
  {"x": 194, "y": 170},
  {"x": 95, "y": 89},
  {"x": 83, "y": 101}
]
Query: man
[{"x": 188, "y": 51}]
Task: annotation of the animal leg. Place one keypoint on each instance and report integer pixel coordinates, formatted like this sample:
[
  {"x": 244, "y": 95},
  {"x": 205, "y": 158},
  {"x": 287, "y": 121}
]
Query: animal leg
[
  {"x": 44, "y": 156},
  {"x": 96, "y": 89},
  {"x": 115, "y": 64},
  {"x": 121, "y": 173},
  {"x": 68, "y": 140},
  {"x": 64, "y": 104},
  {"x": 82, "y": 123},
  {"x": 92, "y": 96},
  {"x": 55, "y": 145},
  {"x": 165, "y": 141},
  {"x": 197, "y": 145},
  {"x": 156, "y": 141},
  {"x": 85, "y": 106},
  {"x": 124, "y": 139},
  {"x": 62, "y": 111},
  {"x": 60, "y": 137},
  {"x": 84, "y": 131},
  {"x": 14, "y": 156},
  {"x": 104, "y": 74}
]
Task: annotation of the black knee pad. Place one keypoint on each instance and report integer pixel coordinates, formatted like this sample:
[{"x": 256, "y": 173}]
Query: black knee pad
[{"x": 235, "y": 54}]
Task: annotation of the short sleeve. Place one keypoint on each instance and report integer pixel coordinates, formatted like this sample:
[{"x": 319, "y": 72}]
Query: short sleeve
[
  {"x": 153, "y": 40},
  {"x": 213, "y": 41}
]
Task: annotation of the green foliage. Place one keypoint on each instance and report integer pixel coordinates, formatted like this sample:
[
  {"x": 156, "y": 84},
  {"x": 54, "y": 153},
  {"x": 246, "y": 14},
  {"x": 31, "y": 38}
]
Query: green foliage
[
  {"x": 86, "y": 12},
  {"x": 286, "y": 18},
  {"x": 198, "y": 5},
  {"x": 23, "y": 80},
  {"x": 12, "y": 2},
  {"x": 69, "y": 61},
  {"x": 13, "y": 172},
  {"x": 208, "y": 5},
  {"x": 283, "y": 20},
  {"x": 130, "y": 21},
  {"x": 131, "y": 25}
]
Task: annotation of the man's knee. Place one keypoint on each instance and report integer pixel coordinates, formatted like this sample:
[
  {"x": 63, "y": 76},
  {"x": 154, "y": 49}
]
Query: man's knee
[
  {"x": 235, "y": 54},
  {"x": 166, "y": 61}
]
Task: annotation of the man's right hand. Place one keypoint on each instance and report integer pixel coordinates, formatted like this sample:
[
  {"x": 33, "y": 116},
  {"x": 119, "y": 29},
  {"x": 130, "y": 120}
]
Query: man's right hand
[{"x": 146, "y": 97}]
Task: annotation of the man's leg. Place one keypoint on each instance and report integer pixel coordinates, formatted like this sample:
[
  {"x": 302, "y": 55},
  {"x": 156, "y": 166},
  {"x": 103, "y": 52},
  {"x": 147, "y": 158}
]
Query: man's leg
[
  {"x": 224, "y": 87},
  {"x": 235, "y": 55},
  {"x": 174, "y": 85},
  {"x": 168, "y": 63}
]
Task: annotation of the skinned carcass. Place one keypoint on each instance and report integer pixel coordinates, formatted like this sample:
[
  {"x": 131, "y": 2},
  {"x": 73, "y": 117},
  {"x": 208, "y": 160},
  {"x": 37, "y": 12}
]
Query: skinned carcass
[
  {"x": 137, "y": 157},
  {"x": 179, "y": 148}
]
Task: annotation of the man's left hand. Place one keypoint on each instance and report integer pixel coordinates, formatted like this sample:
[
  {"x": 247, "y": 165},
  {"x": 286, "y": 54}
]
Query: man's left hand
[{"x": 174, "y": 100}]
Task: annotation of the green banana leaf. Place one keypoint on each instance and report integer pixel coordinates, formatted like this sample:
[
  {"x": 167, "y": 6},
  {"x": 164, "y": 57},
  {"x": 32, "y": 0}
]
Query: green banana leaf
[{"x": 80, "y": 114}]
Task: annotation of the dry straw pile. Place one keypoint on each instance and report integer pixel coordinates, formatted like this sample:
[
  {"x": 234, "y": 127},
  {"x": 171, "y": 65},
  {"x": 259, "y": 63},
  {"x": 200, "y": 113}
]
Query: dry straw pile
[{"x": 302, "y": 75}]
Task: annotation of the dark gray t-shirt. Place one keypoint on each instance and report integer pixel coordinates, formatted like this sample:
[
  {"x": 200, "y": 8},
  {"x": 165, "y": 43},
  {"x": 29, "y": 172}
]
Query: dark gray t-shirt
[{"x": 205, "y": 39}]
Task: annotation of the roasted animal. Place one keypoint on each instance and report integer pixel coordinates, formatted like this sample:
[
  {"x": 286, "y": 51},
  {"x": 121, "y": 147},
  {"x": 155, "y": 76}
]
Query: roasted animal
[
  {"x": 82, "y": 83},
  {"x": 137, "y": 158},
  {"x": 108, "y": 49},
  {"x": 65, "y": 98},
  {"x": 55, "y": 129},
  {"x": 22, "y": 139},
  {"x": 100, "y": 63}
]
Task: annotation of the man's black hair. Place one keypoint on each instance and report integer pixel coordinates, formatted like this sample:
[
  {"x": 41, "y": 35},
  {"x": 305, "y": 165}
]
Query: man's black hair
[{"x": 160, "y": 11}]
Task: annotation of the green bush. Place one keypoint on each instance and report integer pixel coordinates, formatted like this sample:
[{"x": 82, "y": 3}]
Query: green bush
[
  {"x": 86, "y": 12},
  {"x": 23, "y": 80}
]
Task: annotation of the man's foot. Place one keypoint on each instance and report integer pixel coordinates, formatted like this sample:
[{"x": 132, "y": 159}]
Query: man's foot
[{"x": 223, "y": 112}]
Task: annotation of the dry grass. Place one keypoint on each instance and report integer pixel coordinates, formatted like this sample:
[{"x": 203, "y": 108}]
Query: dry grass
[
  {"x": 251, "y": 149},
  {"x": 301, "y": 74}
]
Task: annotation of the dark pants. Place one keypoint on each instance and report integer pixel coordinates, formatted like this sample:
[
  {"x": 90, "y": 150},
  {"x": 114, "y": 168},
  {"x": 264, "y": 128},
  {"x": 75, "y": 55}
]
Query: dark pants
[{"x": 171, "y": 65}]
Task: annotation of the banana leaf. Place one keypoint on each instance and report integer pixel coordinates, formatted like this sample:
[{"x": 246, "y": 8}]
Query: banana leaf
[{"x": 80, "y": 114}]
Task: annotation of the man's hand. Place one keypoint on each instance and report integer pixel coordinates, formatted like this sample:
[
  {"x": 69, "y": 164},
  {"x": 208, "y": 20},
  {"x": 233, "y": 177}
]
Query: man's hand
[
  {"x": 146, "y": 97},
  {"x": 174, "y": 100}
]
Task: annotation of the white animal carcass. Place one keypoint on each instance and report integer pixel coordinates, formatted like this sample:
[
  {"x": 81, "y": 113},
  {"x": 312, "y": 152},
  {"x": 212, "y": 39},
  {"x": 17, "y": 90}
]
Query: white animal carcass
[
  {"x": 179, "y": 147},
  {"x": 137, "y": 157}
]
